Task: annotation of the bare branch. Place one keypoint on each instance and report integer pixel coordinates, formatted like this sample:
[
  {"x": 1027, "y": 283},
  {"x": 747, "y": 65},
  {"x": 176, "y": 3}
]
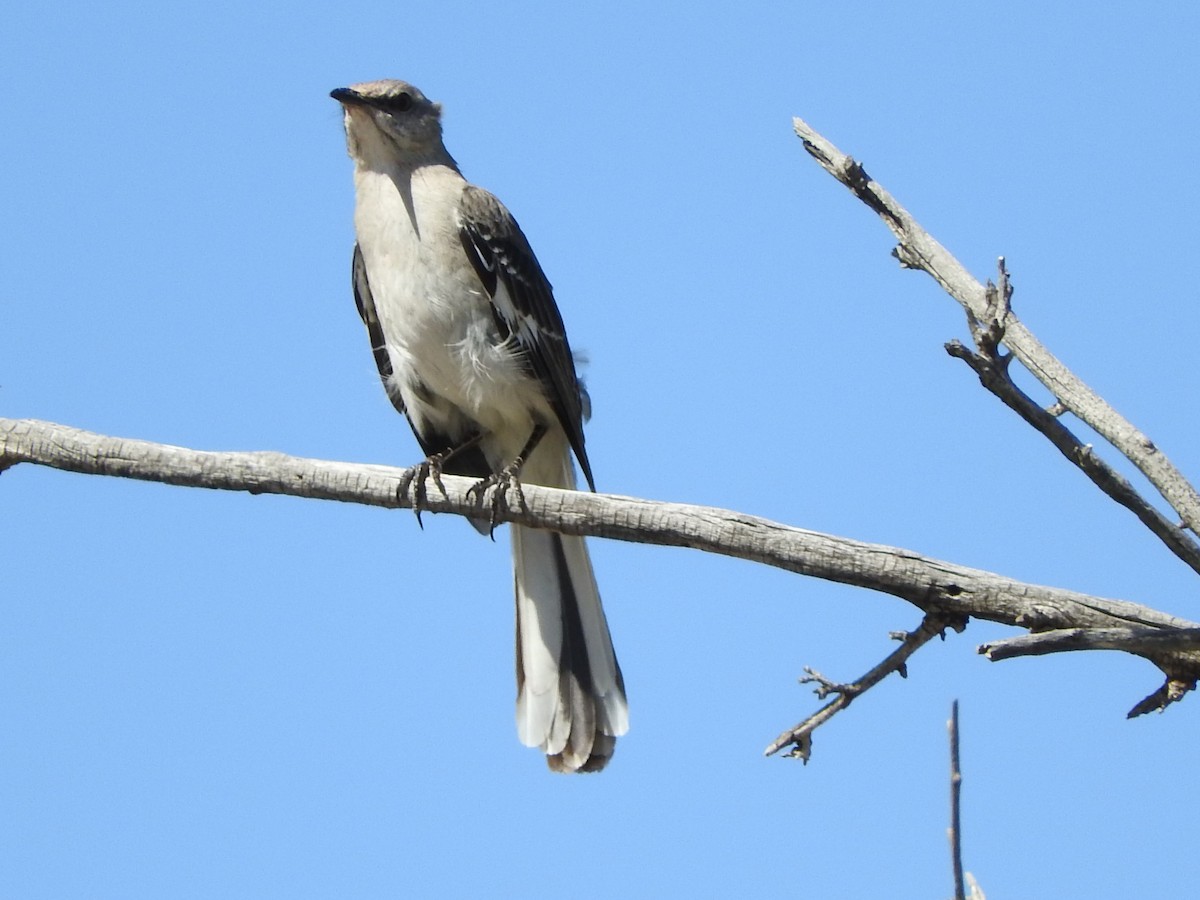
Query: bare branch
[
  {"x": 799, "y": 737},
  {"x": 955, "y": 835},
  {"x": 993, "y": 375},
  {"x": 1171, "y": 651},
  {"x": 925, "y": 582},
  {"x": 1142, "y": 641},
  {"x": 917, "y": 249},
  {"x": 1172, "y": 691},
  {"x": 946, "y": 592}
]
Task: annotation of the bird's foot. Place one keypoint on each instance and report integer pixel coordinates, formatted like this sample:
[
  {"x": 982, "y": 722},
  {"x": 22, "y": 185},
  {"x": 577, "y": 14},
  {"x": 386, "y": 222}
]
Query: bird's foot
[
  {"x": 501, "y": 484},
  {"x": 417, "y": 478}
]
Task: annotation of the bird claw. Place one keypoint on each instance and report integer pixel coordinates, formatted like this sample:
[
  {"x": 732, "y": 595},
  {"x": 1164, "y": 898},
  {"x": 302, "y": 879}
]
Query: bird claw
[
  {"x": 500, "y": 483},
  {"x": 418, "y": 478}
]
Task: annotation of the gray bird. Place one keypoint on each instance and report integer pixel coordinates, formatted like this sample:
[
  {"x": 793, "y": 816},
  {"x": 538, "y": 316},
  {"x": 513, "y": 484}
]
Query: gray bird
[{"x": 471, "y": 348}]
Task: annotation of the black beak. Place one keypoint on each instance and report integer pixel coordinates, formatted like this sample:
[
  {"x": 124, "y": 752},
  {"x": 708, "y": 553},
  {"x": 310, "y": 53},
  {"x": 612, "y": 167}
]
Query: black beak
[{"x": 347, "y": 97}]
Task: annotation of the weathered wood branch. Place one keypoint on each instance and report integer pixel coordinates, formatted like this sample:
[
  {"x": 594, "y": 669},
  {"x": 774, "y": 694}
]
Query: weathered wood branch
[
  {"x": 917, "y": 249},
  {"x": 929, "y": 584},
  {"x": 993, "y": 375},
  {"x": 799, "y": 737},
  {"x": 1132, "y": 640},
  {"x": 1147, "y": 642}
]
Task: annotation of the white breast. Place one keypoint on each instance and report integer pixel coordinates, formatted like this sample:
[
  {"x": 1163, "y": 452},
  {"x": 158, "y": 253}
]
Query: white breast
[{"x": 437, "y": 321}]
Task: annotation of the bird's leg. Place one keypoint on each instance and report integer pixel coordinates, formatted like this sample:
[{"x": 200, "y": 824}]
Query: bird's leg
[
  {"x": 507, "y": 478},
  {"x": 429, "y": 468}
]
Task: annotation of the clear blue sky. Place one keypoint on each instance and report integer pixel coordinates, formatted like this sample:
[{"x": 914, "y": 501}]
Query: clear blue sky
[{"x": 211, "y": 694}]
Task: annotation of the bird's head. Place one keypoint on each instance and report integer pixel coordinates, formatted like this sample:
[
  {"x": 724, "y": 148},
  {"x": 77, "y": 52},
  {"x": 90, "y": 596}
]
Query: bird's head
[{"x": 388, "y": 120}]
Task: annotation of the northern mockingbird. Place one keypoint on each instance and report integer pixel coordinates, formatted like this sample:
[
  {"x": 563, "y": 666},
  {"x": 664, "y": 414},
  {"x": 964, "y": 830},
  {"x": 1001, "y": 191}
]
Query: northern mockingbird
[{"x": 471, "y": 348}]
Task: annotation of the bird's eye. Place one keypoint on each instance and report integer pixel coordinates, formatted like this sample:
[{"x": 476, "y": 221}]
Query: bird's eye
[{"x": 401, "y": 102}]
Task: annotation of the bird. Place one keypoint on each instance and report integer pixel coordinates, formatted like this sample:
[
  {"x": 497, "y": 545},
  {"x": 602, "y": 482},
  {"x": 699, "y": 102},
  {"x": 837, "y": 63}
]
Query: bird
[{"x": 471, "y": 348}]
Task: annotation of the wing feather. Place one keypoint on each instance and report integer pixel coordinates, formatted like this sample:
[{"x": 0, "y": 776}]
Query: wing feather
[
  {"x": 524, "y": 308},
  {"x": 366, "y": 310}
]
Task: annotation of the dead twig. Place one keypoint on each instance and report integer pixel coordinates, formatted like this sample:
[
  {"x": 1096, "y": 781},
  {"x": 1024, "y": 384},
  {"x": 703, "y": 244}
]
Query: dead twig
[
  {"x": 800, "y": 737},
  {"x": 955, "y": 830},
  {"x": 992, "y": 369},
  {"x": 917, "y": 249}
]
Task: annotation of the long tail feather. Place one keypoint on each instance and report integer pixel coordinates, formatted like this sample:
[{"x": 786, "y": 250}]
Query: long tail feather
[{"x": 570, "y": 693}]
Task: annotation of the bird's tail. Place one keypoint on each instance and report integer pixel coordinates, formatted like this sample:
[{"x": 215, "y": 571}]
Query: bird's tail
[{"x": 570, "y": 694}]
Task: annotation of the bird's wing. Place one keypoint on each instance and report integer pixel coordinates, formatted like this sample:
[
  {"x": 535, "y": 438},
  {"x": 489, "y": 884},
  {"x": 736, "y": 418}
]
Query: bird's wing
[
  {"x": 366, "y": 309},
  {"x": 524, "y": 308}
]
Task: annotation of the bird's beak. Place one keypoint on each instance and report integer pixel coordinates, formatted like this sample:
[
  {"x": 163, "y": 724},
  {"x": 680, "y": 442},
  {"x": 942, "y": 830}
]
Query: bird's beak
[{"x": 347, "y": 97}]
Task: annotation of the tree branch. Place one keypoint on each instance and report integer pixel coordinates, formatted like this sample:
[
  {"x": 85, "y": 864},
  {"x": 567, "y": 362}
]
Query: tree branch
[
  {"x": 932, "y": 585},
  {"x": 917, "y": 249},
  {"x": 1146, "y": 642},
  {"x": 992, "y": 371},
  {"x": 955, "y": 830},
  {"x": 1132, "y": 640},
  {"x": 799, "y": 737}
]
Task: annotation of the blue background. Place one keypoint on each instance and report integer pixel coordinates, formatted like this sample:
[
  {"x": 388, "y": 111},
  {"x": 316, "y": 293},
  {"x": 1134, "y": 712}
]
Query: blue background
[{"x": 212, "y": 694}]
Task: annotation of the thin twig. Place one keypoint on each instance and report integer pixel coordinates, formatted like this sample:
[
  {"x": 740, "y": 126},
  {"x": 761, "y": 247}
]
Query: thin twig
[
  {"x": 800, "y": 737},
  {"x": 917, "y": 249},
  {"x": 955, "y": 835}
]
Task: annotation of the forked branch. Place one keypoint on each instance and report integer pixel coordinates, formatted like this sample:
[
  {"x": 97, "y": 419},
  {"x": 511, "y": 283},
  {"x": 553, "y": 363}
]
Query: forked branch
[
  {"x": 918, "y": 250},
  {"x": 799, "y": 737}
]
